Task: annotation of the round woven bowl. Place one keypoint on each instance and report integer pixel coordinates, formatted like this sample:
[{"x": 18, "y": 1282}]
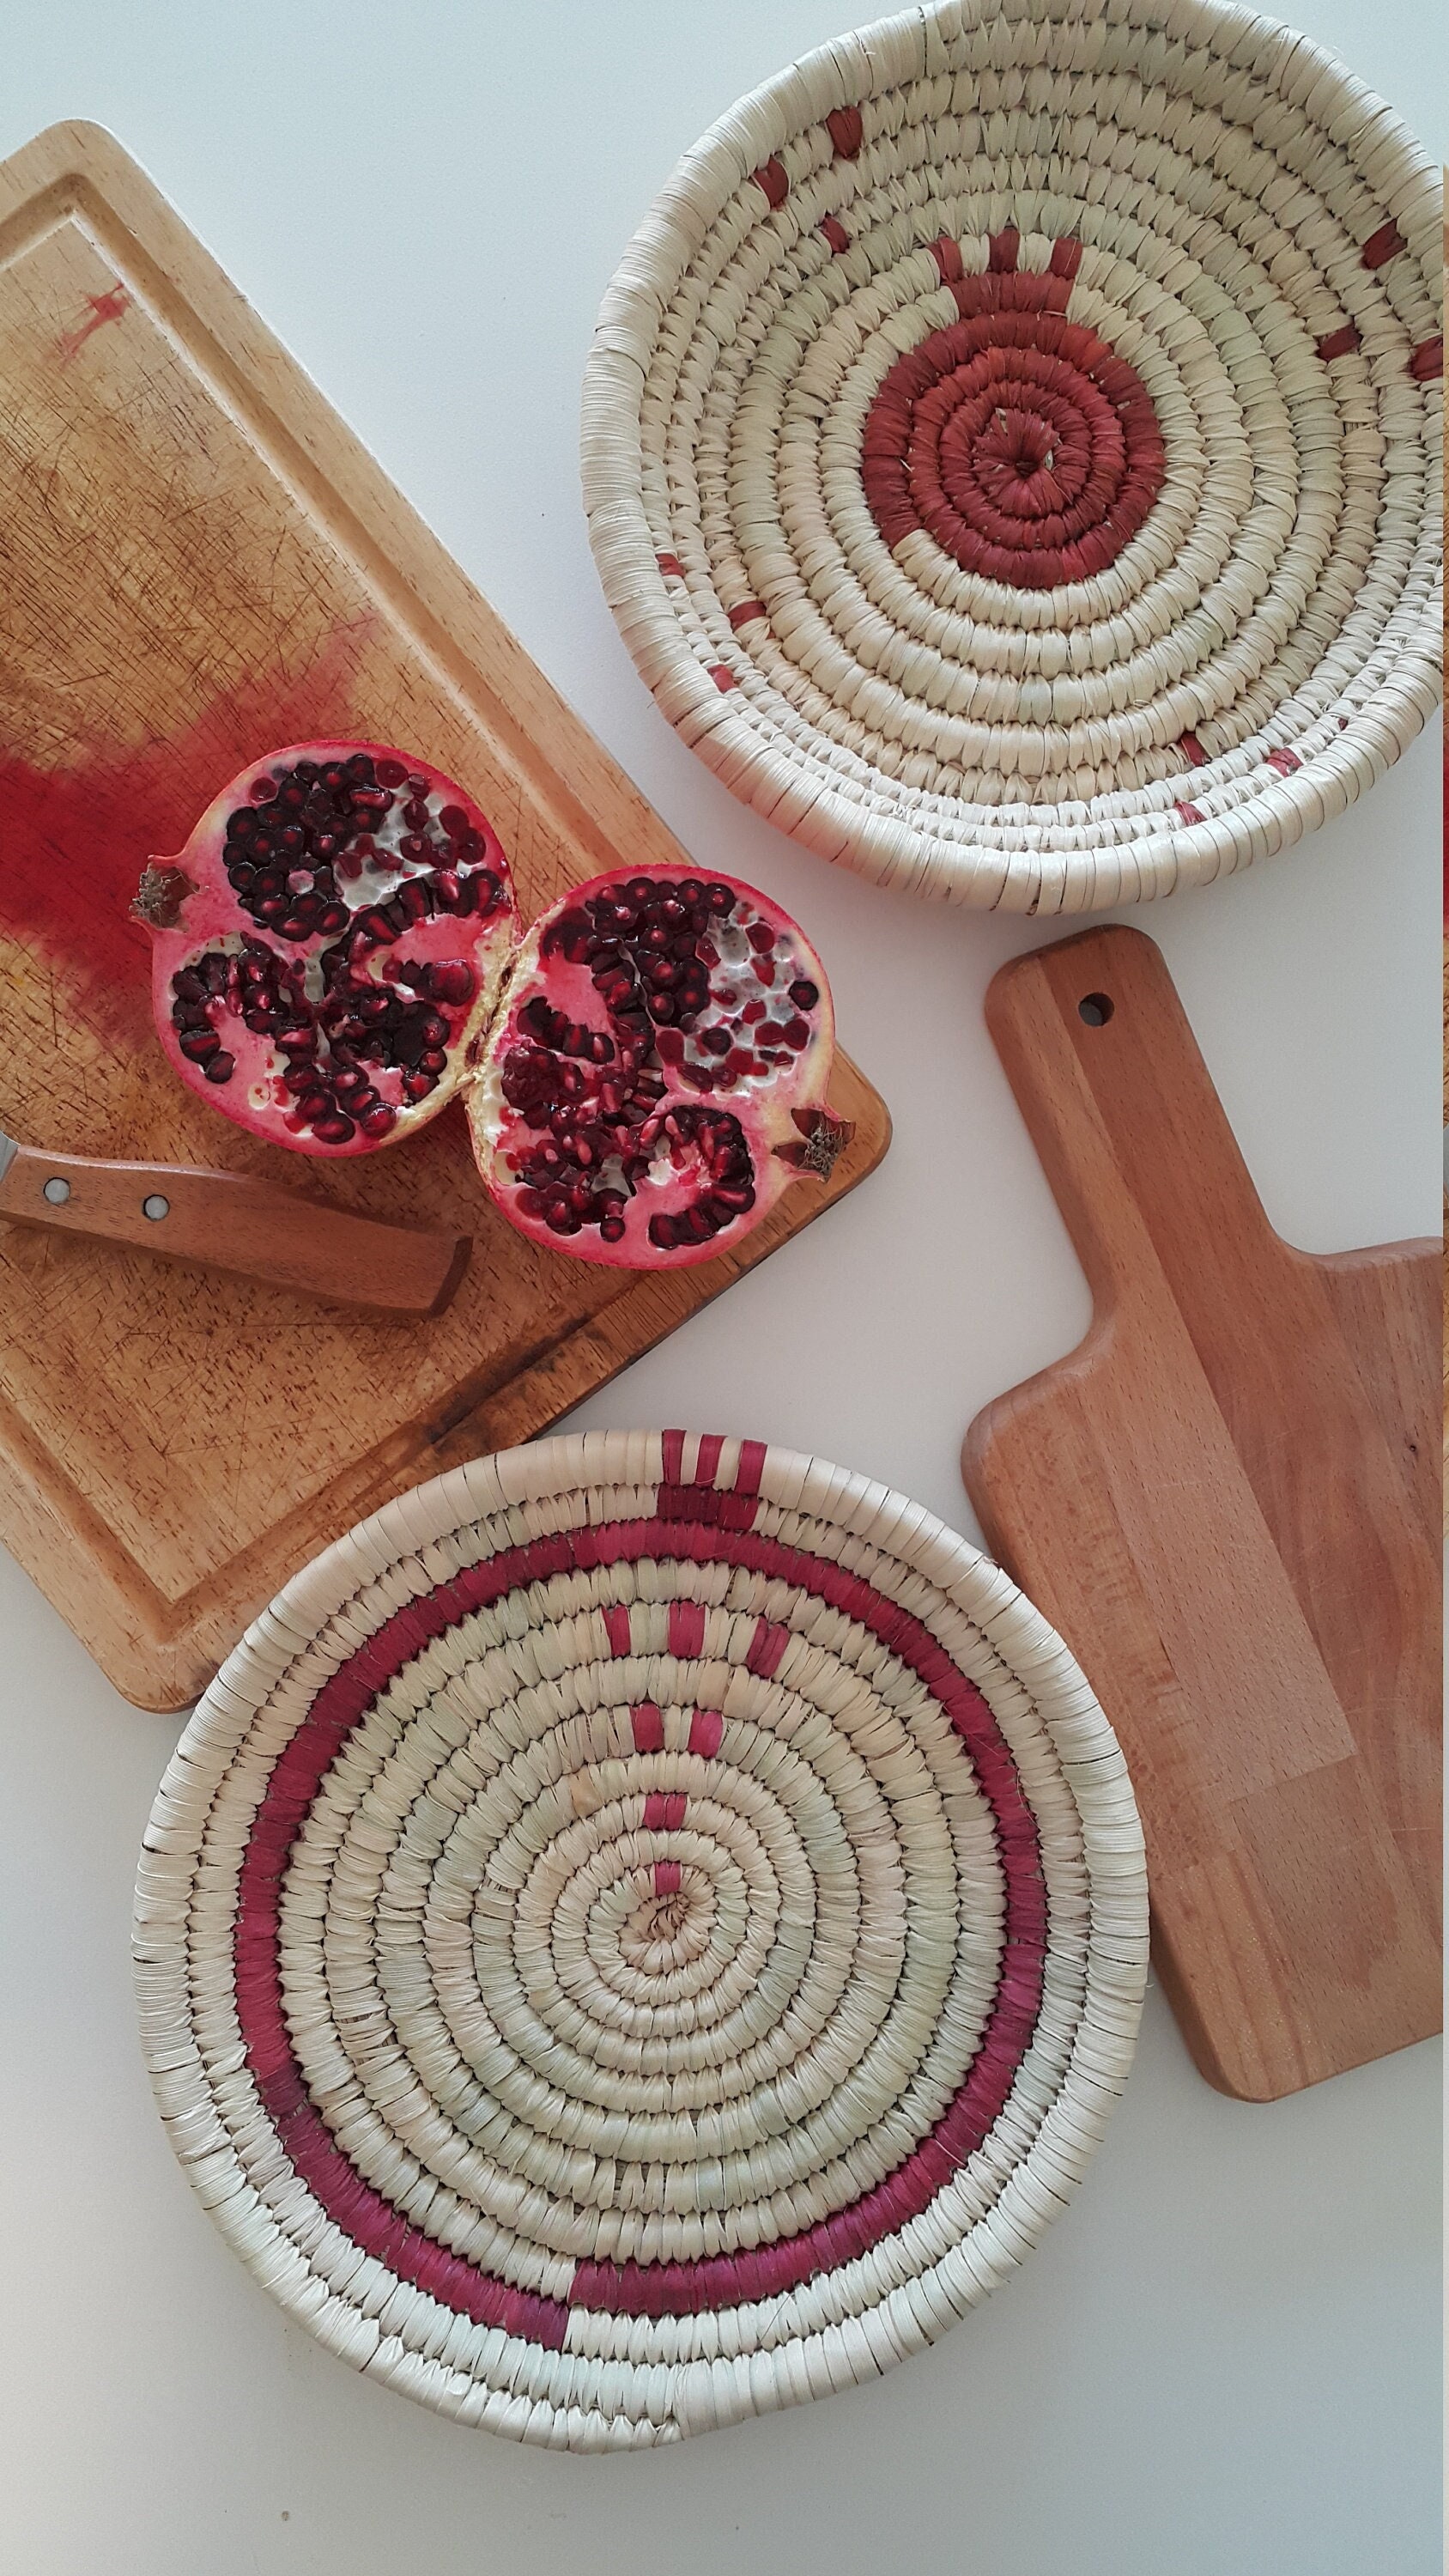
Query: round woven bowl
[
  {"x": 646, "y": 1929},
  {"x": 1011, "y": 447}
]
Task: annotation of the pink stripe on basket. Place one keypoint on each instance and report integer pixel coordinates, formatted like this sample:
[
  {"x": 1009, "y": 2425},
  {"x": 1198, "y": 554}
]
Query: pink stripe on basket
[
  {"x": 648, "y": 1727},
  {"x": 1382, "y": 246},
  {"x": 747, "y": 611},
  {"x": 671, "y": 567},
  {"x": 616, "y": 1620},
  {"x": 672, "y": 1446},
  {"x": 711, "y": 1447},
  {"x": 766, "y": 1648},
  {"x": 751, "y": 1467},
  {"x": 1189, "y": 743},
  {"x": 664, "y": 1810},
  {"x": 835, "y": 233},
  {"x": 1285, "y": 762},
  {"x": 686, "y": 1627},
  {"x": 1189, "y": 813},
  {"x": 844, "y": 129},
  {"x": 666, "y": 1878},
  {"x": 773, "y": 178},
  {"x": 1339, "y": 344},
  {"x": 1001, "y": 252},
  {"x": 722, "y": 676},
  {"x": 1066, "y": 256},
  {"x": 947, "y": 256},
  {"x": 664, "y": 2288},
  {"x": 1427, "y": 361},
  {"x": 706, "y": 1733}
]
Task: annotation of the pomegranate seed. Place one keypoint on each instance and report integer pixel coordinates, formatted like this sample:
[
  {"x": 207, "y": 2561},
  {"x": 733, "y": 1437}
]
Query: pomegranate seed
[
  {"x": 764, "y": 970},
  {"x": 804, "y": 994},
  {"x": 219, "y": 1068},
  {"x": 452, "y": 980},
  {"x": 379, "y": 1122},
  {"x": 753, "y": 1011},
  {"x": 391, "y": 773},
  {"x": 334, "y": 1129},
  {"x": 760, "y": 937}
]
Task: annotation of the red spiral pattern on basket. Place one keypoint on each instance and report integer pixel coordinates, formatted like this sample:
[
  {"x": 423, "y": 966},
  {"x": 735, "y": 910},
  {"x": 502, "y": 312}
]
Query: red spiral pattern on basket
[
  {"x": 1015, "y": 438},
  {"x": 693, "y": 1521},
  {"x": 611, "y": 1944}
]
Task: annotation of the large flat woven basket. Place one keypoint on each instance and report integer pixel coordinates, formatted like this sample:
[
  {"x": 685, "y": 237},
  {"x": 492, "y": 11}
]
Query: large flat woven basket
[
  {"x": 1011, "y": 447},
  {"x": 646, "y": 1929}
]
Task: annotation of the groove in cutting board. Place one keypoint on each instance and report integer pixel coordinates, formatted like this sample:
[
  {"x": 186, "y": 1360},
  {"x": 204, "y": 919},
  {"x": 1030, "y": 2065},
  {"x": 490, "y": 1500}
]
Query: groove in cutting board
[
  {"x": 200, "y": 562},
  {"x": 1227, "y": 1501}
]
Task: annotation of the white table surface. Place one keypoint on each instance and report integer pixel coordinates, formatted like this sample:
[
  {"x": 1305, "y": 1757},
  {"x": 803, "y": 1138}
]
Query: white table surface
[{"x": 1222, "y": 2361}]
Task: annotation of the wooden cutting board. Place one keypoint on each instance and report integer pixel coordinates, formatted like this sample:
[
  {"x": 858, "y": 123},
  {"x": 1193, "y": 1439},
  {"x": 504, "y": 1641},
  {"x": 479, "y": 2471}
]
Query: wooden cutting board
[
  {"x": 1227, "y": 1500},
  {"x": 198, "y": 562}
]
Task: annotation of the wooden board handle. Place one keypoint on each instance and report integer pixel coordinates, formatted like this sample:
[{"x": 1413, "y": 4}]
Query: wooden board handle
[
  {"x": 227, "y": 1221},
  {"x": 1122, "y": 1111}
]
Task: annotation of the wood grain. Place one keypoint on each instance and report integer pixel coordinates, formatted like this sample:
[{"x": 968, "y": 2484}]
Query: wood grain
[
  {"x": 1227, "y": 1500},
  {"x": 200, "y": 562},
  {"x": 229, "y": 1221}
]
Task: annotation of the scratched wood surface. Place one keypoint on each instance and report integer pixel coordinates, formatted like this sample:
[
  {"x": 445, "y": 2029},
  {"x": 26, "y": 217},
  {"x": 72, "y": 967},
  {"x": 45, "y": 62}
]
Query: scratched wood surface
[
  {"x": 199, "y": 561},
  {"x": 1227, "y": 1499}
]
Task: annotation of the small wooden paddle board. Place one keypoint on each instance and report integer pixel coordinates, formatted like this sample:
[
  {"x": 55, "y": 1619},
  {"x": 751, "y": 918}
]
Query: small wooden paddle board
[{"x": 1228, "y": 1501}]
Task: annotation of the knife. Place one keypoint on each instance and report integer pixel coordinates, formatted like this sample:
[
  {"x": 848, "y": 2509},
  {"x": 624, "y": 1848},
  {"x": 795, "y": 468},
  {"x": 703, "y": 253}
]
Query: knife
[{"x": 227, "y": 1221}]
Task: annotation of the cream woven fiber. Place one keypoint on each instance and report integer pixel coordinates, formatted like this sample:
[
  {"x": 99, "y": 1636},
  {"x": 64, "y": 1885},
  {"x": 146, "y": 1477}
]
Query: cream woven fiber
[
  {"x": 645, "y": 1930},
  {"x": 1245, "y": 227}
]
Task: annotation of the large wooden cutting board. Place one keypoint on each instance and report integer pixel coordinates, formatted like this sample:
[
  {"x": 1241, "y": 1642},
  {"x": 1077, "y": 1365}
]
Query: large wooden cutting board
[
  {"x": 197, "y": 562},
  {"x": 1227, "y": 1500}
]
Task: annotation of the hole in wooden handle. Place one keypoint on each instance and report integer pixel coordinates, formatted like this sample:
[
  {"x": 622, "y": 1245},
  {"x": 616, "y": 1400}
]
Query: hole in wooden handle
[
  {"x": 1095, "y": 1009},
  {"x": 56, "y": 1190},
  {"x": 155, "y": 1207}
]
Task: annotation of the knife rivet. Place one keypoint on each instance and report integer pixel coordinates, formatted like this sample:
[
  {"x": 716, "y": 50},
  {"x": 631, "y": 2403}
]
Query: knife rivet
[
  {"x": 57, "y": 1191},
  {"x": 155, "y": 1207}
]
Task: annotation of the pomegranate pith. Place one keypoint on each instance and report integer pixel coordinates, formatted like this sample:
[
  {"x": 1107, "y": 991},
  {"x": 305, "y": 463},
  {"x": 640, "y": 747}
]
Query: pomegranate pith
[
  {"x": 657, "y": 1075},
  {"x": 333, "y": 934},
  {"x": 335, "y": 954}
]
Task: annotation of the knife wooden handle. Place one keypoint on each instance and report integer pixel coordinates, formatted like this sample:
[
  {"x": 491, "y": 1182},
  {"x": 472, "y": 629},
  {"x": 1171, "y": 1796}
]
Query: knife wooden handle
[{"x": 226, "y": 1221}]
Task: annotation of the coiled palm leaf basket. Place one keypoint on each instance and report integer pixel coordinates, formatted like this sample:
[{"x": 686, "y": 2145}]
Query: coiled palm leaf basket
[
  {"x": 1011, "y": 447},
  {"x": 646, "y": 1929}
]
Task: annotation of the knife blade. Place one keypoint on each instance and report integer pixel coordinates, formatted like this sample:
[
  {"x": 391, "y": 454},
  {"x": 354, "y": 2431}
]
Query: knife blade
[{"x": 228, "y": 1221}]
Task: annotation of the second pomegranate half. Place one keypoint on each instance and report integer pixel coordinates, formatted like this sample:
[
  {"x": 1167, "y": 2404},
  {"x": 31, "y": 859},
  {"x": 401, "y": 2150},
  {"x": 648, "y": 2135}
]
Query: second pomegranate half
[{"x": 337, "y": 952}]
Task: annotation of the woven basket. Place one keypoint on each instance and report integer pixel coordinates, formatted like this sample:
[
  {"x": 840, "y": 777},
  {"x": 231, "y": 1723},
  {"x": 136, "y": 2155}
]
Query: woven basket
[
  {"x": 644, "y": 1930},
  {"x": 1011, "y": 447}
]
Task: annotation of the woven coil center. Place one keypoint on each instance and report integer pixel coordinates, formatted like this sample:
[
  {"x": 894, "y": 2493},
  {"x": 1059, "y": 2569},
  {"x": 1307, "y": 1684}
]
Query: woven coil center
[{"x": 1018, "y": 440}]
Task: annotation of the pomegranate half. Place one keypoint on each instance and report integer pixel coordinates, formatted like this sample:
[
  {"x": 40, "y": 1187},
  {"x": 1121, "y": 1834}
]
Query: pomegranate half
[
  {"x": 333, "y": 934},
  {"x": 657, "y": 1075},
  {"x": 336, "y": 952}
]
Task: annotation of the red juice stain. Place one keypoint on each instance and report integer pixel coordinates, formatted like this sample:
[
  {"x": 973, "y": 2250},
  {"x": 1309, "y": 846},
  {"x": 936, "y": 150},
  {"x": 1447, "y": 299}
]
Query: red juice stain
[
  {"x": 74, "y": 840},
  {"x": 104, "y": 308}
]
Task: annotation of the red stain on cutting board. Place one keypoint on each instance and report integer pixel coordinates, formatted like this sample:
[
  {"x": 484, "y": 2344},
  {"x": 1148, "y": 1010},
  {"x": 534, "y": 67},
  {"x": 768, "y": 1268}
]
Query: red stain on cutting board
[
  {"x": 104, "y": 308},
  {"x": 74, "y": 840}
]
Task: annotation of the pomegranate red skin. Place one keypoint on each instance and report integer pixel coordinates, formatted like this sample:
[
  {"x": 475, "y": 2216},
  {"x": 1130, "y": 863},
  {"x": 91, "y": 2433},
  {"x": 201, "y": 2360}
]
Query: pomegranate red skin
[
  {"x": 341, "y": 1023},
  {"x": 684, "y": 1118}
]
